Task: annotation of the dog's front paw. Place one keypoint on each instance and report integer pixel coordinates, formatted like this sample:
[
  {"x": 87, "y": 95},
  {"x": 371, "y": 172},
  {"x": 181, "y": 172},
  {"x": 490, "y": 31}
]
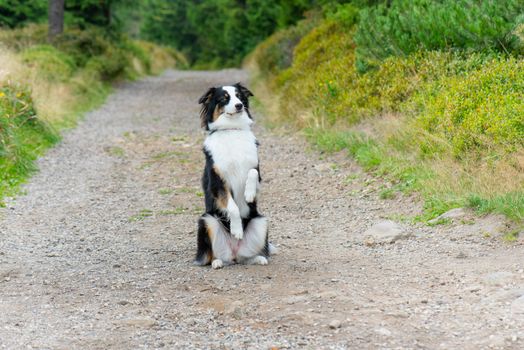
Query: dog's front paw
[
  {"x": 217, "y": 264},
  {"x": 236, "y": 230},
  {"x": 250, "y": 194}
]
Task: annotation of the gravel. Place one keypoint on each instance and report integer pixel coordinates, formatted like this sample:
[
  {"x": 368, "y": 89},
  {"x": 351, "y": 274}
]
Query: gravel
[{"x": 97, "y": 254}]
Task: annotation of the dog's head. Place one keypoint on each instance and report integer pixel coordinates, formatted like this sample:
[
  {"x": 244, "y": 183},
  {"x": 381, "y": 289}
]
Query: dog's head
[{"x": 225, "y": 107}]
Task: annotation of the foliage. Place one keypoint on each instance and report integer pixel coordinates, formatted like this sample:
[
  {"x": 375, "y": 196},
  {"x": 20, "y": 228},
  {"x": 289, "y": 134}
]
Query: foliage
[
  {"x": 49, "y": 62},
  {"x": 483, "y": 110},
  {"x": 20, "y": 12},
  {"x": 23, "y": 136},
  {"x": 217, "y": 32},
  {"x": 276, "y": 53},
  {"x": 402, "y": 27},
  {"x": 447, "y": 124},
  {"x": 78, "y": 13}
]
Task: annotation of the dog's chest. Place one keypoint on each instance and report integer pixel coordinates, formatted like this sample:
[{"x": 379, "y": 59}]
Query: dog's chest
[{"x": 234, "y": 153}]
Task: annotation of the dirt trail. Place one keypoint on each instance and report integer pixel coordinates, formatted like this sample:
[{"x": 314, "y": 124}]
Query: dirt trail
[{"x": 97, "y": 254}]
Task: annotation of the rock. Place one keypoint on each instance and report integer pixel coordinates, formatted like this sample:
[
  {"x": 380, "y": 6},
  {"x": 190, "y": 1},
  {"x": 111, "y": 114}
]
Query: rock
[
  {"x": 386, "y": 231},
  {"x": 383, "y": 331},
  {"x": 450, "y": 215},
  {"x": 335, "y": 324},
  {"x": 498, "y": 278},
  {"x": 517, "y": 308}
]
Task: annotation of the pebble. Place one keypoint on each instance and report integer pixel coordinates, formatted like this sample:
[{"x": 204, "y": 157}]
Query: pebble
[
  {"x": 450, "y": 214},
  {"x": 335, "y": 324},
  {"x": 386, "y": 231}
]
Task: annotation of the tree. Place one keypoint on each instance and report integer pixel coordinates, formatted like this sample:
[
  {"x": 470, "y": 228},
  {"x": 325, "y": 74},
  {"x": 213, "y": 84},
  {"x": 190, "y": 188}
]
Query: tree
[{"x": 56, "y": 18}]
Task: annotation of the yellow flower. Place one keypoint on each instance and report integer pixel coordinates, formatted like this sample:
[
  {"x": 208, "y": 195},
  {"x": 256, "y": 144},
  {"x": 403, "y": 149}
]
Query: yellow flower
[{"x": 2, "y": 94}]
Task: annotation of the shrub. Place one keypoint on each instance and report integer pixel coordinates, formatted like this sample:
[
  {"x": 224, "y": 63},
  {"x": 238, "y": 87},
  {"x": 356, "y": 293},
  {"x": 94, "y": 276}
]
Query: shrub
[
  {"x": 405, "y": 26},
  {"x": 479, "y": 112},
  {"x": 276, "y": 53},
  {"x": 14, "y": 13},
  {"x": 312, "y": 83},
  {"x": 50, "y": 63}
]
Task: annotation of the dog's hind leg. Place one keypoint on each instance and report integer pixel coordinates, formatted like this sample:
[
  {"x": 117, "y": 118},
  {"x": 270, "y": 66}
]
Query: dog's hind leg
[
  {"x": 204, "y": 248},
  {"x": 254, "y": 247},
  {"x": 221, "y": 243}
]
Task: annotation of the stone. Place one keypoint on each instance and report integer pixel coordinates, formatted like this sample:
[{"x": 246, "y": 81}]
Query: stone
[
  {"x": 335, "y": 324},
  {"x": 386, "y": 231},
  {"x": 383, "y": 331},
  {"x": 450, "y": 215}
]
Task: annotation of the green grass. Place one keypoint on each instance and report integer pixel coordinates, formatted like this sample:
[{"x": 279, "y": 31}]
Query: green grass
[
  {"x": 509, "y": 204},
  {"x": 141, "y": 215},
  {"x": 23, "y": 136},
  {"x": 511, "y": 236},
  {"x": 165, "y": 191}
]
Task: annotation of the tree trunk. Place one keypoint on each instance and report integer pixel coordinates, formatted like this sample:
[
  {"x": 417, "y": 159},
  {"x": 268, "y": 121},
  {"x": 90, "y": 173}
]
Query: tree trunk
[{"x": 56, "y": 18}]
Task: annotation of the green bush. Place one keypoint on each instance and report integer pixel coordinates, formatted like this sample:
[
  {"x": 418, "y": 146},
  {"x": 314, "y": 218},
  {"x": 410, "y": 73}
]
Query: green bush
[
  {"x": 405, "y": 26},
  {"x": 15, "y": 13},
  {"x": 50, "y": 63},
  {"x": 481, "y": 111},
  {"x": 109, "y": 66},
  {"x": 82, "y": 45},
  {"x": 276, "y": 53}
]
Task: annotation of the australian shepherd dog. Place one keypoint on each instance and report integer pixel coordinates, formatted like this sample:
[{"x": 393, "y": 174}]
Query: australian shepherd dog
[{"x": 231, "y": 230}]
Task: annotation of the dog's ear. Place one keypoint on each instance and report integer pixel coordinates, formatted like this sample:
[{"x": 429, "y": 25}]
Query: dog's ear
[
  {"x": 207, "y": 96},
  {"x": 204, "y": 101},
  {"x": 244, "y": 90}
]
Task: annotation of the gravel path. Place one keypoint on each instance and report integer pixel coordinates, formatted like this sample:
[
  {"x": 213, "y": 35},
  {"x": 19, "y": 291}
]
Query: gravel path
[{"x": 97, "y": 254}]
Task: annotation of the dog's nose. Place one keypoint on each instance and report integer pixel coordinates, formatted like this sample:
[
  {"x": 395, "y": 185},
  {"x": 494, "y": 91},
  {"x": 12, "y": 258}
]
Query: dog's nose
[{"x": 239, "y": 106}]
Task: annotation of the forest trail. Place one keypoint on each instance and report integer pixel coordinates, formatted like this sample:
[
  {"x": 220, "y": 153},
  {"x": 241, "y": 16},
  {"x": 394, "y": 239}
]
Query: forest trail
[{"x": 98, "y": 252}]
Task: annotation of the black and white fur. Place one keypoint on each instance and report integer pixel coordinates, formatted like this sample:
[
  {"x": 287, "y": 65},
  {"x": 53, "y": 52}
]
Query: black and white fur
[{"x": 231, "y": 230}]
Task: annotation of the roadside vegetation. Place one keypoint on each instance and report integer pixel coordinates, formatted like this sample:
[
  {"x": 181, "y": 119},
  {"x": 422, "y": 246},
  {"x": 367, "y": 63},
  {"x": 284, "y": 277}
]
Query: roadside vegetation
[
  {"x": 427, "y": 94},
  {"x": 46, "y": 86}
]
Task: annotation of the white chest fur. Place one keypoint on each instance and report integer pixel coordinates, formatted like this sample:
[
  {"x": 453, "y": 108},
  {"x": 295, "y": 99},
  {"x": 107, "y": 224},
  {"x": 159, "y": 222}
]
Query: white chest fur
[{"x": 234, "y": 153}]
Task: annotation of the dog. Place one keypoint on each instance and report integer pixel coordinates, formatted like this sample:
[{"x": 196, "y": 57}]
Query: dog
[{"x": 231, "y": 230}]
